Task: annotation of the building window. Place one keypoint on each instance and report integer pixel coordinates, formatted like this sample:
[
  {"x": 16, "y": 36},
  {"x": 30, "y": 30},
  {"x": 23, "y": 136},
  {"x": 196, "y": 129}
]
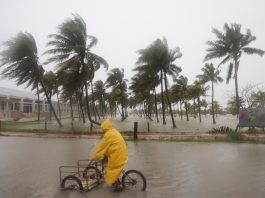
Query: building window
[
  {"x": 10, "y": 106},
  {"x": 36, "y": 107},
  {"x": 2, "y": 106},
  {"x": 27, "y": 108},
  {"x": 17, "y": 107}
]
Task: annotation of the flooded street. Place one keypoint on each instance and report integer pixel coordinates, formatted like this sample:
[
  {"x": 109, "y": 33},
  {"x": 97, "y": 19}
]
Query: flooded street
[{"x": 29, "y": 168}]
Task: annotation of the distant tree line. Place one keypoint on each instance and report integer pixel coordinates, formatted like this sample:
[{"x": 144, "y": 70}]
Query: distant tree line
[{"x": 149, "y": 92}]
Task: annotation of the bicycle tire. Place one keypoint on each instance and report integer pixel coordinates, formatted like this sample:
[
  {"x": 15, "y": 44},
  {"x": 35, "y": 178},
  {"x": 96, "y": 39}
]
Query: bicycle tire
[
  {"x": 92, "y": 169},
  {"x": 77, "y": 183},
  {"x": 129, "y": 181}
]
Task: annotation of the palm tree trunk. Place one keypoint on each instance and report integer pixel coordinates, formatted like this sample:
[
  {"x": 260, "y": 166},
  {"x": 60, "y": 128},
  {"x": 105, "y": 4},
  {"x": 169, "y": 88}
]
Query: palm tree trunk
[
  {"x": 81, "y": 104},
  {"x": 115, "y": 109},
  {"x": 178, "y": 109},
  {"x": 213, "y": 104},
  {"x": 119, "y": 110},
  {"x": 97, "y": 112},
  {"x": 111, "y": 109},
  {"x": 38, "y": 93},
  {"x": 88, "y": 109},
  {"x": 122, "y": 106},
  {"x": 78, "y": 110},
  {"x": 93, "y": 102},
  {"x": 199, "y": 108},
  {"x": 194, "y": 108},
  {"x": 162, "y": 98},
  {"x": 143, "y": 111},
  {"x": 50, "y": 102},
  {"x": 101, "y": 107},
  {"x": 180, "y": 104},
  {"x": 106, "y": 107},
  {"x": 186, "y": 109},
  {"x": 157, "y": 120},
  {"x": 50, "y": 107},
  {"x": 59, "y": 109},
  {"x": 216, "y": 111},
  {"x": 71, "y": 109},
  {"x": 236, "y": 86},
  {"x": 169, "y": 103}
]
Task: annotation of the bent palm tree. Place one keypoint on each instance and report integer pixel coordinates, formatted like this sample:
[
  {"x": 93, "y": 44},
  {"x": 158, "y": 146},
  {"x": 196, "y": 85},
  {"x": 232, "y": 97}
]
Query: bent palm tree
[
  {"x": 22, "y": 63},
  {"x": 181, "y": 88},
  {"x": 100, "y": 95},
  {"x": 50, "y": 85},
  {"x": 36, "y": 85},
  {"x": 210, "y": 74},
  {"x": 231, "y": 45},
  {"x": 72, "y": 51},
  {"x": 198, "y": 91},
  {"x": 158, "y": 59},
  {"x": 118, "y": 83}
]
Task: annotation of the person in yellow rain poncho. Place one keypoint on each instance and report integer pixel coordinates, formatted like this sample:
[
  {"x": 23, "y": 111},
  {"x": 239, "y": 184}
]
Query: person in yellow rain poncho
[{"x": 114, "y": 147}]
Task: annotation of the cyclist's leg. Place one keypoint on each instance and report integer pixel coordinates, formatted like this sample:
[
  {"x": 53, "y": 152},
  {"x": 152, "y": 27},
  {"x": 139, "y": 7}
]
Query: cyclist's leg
[{"x": 117, "y": 185}]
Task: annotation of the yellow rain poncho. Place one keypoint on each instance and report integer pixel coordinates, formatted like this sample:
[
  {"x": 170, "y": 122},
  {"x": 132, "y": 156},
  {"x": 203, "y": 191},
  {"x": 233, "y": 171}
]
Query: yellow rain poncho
[{"x": 114, "y": 148}]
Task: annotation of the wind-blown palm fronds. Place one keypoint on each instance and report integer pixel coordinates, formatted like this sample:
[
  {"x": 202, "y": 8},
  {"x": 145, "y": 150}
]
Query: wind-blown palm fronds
[
  {"x": 21, "y": 60},
  {"x": 230, "y": 45}
]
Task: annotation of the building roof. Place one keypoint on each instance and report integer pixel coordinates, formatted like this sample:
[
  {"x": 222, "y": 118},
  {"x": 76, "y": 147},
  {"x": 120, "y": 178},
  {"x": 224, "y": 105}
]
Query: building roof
[{"x": 7, "y": 92}]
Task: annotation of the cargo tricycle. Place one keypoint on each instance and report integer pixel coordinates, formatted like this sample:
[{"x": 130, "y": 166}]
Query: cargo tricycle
[{"x": 88, "y": 174}]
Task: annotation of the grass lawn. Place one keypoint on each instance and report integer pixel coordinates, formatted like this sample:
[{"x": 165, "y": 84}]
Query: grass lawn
[{"x": 35, "y": 126}]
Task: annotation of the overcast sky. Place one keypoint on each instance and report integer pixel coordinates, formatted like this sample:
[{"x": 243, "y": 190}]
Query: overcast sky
[{"x": 125, "y": 26}]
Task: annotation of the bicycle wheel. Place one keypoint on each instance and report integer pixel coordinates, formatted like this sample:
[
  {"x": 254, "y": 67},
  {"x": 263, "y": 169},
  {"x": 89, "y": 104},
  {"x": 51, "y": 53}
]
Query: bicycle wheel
[
  {"x": 92, "y": 173},
  {"x": 133, "y": 179},
  {"x": 71, "y": 182}
]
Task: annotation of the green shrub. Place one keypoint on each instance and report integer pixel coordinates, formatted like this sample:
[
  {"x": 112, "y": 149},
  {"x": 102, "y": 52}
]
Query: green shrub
[
  {"x": 231, "y": 134},
  {"x": 235, "y": 136},
  {"x": 221, "y": 130}
]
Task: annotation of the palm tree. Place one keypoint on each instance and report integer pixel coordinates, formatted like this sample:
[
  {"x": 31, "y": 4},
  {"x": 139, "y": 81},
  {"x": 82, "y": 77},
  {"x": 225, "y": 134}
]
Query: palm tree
[
  {"x": 118, "y": 83},
  {"x": 139, "y": 91},
  {"x": 70, "y": 88},
  {"x": 180, "y": 88},
  {"x": 71, "y": 49},
  {"x": 100, "y": 95},
  {"x": 142, "y": 84},
  {"x": 232, "y": 105},
  {"x": 230, "y": 45},
  {"x": 22, "y": 63},
  {"x": 158, "y": 59},
  {"x": 210, "y": 74},
  {"x": 50, "y": 85},
  {"x": 93, "y": 65},
  {"x": 199, "y": 90},
  {"x": 36, "y": 85},
  {"x": 218, "y": 108},
  {"x": 259, "y": 98},
  {"x": 192, "y": 94},
  {"x": 196, "y": 90},
  {"x": 204, "y": 104},
  {"x": 52, "y": 82}
]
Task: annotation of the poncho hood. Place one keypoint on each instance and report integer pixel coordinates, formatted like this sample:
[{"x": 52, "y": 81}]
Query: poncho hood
[{"x": 106, "y": 125}]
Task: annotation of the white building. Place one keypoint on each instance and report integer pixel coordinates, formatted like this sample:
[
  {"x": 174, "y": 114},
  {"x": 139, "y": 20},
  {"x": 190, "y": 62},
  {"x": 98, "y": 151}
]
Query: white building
[{"x": 19, "y": 104}]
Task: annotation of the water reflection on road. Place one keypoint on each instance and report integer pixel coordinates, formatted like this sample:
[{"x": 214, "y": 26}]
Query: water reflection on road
[{"x": 29, "y": 168}]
